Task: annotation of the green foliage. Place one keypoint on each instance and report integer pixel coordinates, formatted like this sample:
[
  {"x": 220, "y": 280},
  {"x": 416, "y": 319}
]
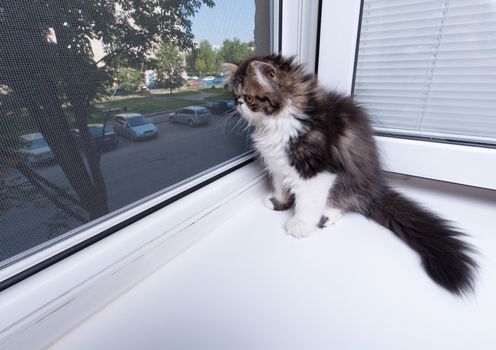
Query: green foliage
[
  {"x": 234, "y": 51},
  {"x": 169, "y": 66},
  {"x": 128, "y": 79},
  {"x": 202, "y": 60}
]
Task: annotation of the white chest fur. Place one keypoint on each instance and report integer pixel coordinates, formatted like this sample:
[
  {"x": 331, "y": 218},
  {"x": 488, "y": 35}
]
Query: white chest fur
[{"x": 272, "y": 141}]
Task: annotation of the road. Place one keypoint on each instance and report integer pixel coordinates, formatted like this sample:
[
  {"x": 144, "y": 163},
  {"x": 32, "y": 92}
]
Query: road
[
  {"x": 138, "y": 169},
  {"x": 132, "y": 171}
]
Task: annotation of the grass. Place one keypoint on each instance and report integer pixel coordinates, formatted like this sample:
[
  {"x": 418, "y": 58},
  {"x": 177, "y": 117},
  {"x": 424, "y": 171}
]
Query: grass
[
  {"x": 149, "y": 104},
  {"x": 158, "y": 102},
  {"x": 224, "y": 95}
]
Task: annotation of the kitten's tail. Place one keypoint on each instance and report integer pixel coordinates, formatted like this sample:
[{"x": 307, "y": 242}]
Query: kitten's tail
[{"x": 445, "y": 257}]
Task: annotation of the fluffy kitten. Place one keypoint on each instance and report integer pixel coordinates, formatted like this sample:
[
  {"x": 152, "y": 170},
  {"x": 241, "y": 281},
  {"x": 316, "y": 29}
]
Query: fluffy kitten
[{"x": 319, "y": 149}]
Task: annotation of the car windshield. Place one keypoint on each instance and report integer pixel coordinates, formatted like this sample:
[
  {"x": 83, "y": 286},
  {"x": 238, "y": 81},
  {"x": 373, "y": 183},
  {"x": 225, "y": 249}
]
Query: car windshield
[
  {"x": 37, "y": 143},
  {"x": 202, "y": 111},
  {"x": 138, "y": 120}
]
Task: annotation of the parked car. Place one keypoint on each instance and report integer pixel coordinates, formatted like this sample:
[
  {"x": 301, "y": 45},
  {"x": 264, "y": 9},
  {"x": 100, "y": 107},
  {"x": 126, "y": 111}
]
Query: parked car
[
  {"x": 194, "y": 83},
  {"x": 34, "y": 149},
  {"x": 102, "y": 139},
  {"x": 208, "y": 78},
  {"x": 193, "y": 115},
  {"x": 217, "y": 81},
  {"x": 134, "y": 126},
  {"x": 221, "y": 106}
]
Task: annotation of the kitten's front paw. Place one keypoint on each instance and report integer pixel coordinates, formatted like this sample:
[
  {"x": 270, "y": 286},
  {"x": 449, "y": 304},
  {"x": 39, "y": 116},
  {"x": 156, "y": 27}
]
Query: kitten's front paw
[
  {"x": 273, "y": 203},
  {"x": 299, "y": 228},
  {"x": 268, "y": 202}
]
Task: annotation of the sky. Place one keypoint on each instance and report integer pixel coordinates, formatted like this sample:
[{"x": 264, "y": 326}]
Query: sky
[{"x": 228, "y": 19}]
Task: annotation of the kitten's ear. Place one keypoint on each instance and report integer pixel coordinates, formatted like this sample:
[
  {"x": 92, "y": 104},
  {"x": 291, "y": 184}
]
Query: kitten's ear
[{"x": 264, "y": 72}]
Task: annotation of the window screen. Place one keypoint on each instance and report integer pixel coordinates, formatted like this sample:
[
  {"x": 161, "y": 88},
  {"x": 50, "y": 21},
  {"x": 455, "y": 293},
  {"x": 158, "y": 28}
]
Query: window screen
[
  {"x": 88, "y": 94},
  {"x": 428, "y": 68}
]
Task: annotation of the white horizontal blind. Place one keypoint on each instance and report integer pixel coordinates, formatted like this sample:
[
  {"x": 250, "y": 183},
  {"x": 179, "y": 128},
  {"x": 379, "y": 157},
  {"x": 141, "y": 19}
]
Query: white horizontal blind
[{"x": 428, "y": 68}]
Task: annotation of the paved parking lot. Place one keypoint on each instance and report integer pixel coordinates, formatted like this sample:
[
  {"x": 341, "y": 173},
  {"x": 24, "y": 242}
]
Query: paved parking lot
[{"x": 132, "y": 171}]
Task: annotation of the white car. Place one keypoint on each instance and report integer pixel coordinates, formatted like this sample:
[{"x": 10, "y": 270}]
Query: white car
[
  {"x": 134, "y": 126},
  {"x": 34, "y": 149},
  {"x": 192, "y": 116},
  {"x": 208, "y": 78}
]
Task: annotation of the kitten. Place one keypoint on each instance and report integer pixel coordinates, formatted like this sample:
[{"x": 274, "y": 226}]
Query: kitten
[{"x": 319, "y": 149}]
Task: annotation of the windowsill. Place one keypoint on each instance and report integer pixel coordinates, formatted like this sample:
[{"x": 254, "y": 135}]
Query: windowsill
[{"x": 248, "y": 285}]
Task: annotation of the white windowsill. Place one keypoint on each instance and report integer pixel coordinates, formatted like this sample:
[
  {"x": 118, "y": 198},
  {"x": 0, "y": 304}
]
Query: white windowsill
[
  {"x": 46, "y": 305},
  {"x": 353, "y": 286}
]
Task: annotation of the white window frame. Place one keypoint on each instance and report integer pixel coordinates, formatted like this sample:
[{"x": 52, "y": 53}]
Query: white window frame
[
  {"x": 44, "y": 306},
  {"x": 467, "y": 165},
  {"x": 299, "y": 30}
]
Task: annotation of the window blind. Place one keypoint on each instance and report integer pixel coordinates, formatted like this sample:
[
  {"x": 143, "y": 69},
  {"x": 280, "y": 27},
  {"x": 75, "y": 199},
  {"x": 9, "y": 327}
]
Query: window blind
[{"x": 428, "y": 68}]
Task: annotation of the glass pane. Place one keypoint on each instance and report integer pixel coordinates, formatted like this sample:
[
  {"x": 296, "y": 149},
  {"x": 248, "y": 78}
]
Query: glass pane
[{"x": 89, "y": 94}]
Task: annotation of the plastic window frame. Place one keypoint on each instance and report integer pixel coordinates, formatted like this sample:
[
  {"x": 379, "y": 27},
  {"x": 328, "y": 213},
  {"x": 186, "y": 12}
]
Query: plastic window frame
[{"x": 457, "y": 163}]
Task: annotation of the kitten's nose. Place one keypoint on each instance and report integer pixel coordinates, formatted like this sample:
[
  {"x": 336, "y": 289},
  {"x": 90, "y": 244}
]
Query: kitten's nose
[{"x": 239, "y": 101}]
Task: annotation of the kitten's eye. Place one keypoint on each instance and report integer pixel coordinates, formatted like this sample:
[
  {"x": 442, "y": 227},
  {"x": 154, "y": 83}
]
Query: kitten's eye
[{"x": 249, "y": 99}]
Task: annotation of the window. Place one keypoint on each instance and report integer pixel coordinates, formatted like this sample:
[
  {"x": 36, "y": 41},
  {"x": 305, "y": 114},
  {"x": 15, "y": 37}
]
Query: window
[
  {"x": 428, "y": 68},
  {"x": 69, "y": 71},
  {"x": 423, "y": 71}
]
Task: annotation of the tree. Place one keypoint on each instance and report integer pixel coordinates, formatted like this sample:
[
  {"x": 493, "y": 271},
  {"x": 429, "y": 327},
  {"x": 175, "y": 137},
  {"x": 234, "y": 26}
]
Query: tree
[
  {"x": 234, "y": 51},
  {"x": 128, "y": 79},
  {"x": 190, "y": 62},
  {"x": 202, "y": 60},
  {"x": 169, "y": 66},
  {"x": 48, "y": 63}
]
